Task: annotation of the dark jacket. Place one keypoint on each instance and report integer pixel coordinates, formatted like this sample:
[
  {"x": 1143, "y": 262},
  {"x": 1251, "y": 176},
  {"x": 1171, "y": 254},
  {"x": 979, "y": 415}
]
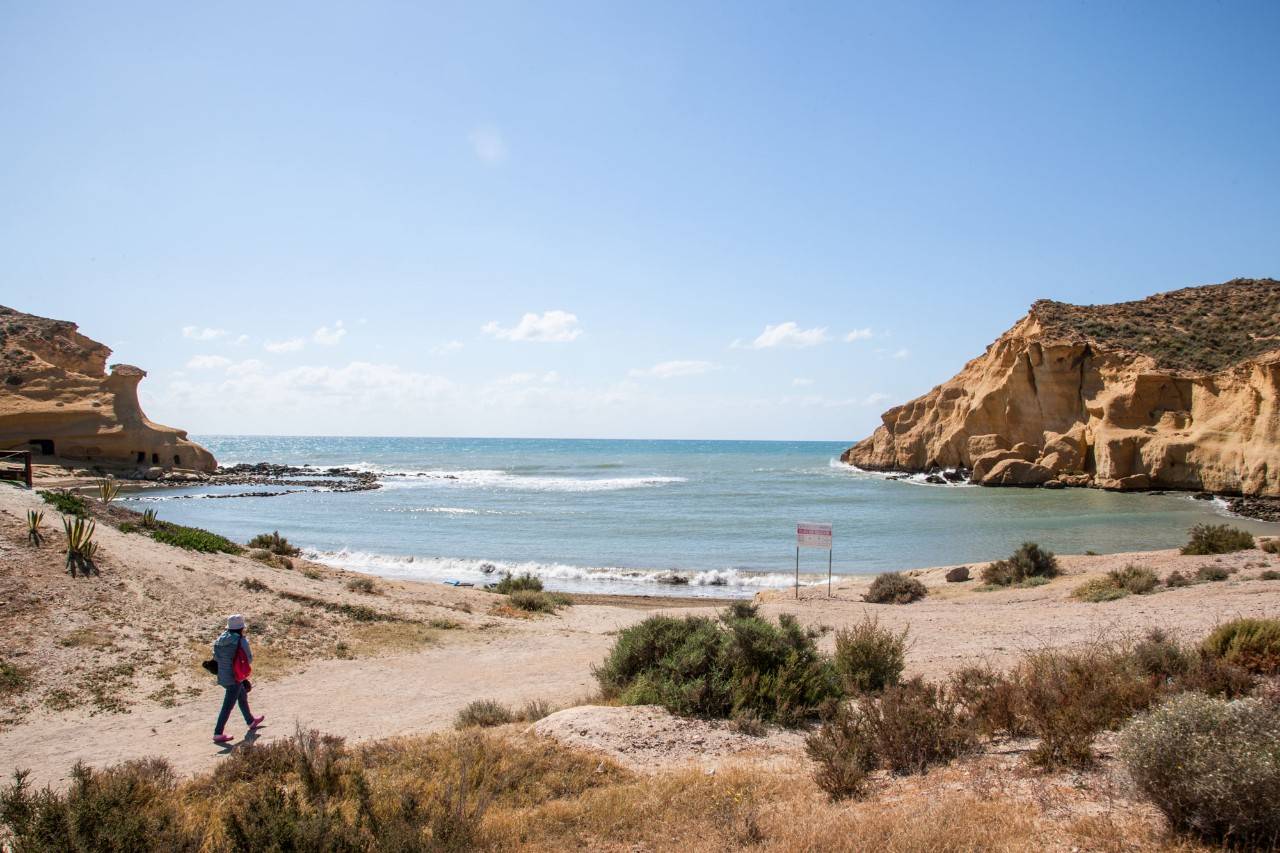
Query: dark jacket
[{"x": 224, "y": 652}]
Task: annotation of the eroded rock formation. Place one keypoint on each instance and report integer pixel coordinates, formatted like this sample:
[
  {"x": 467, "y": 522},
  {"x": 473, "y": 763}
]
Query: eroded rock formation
[
  {"x": 1176, "y": 391},
  {"x": 59, "y": 401}
]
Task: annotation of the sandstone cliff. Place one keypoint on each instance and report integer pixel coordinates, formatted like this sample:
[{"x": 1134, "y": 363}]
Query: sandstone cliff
[
  {"x": 1176, "y": 391},
  {"x": 58, "y": 400}
]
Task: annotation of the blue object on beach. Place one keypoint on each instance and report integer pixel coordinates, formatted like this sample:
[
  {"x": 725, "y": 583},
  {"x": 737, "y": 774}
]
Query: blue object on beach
[{"x": 458, "y": 583}]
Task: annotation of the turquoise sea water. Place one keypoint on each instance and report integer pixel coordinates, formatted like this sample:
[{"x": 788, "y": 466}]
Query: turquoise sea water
[{"x": 613, "y": 516}]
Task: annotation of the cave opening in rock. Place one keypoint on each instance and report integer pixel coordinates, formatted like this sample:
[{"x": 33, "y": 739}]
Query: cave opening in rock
[
  {"x": 44, "y": 445},
  {"x": 155, "y": 458},
  {"x": 177, "y": 460},
  {"x": 142, "y": 457}
]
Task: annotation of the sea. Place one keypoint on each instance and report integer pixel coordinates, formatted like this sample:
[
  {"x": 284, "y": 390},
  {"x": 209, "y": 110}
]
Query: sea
[{"x": 702, "y": 518}]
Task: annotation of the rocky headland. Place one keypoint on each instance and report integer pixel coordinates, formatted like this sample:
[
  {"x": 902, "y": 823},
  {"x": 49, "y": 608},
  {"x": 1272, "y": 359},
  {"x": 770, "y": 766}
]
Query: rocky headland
[
  {"x": 1177, "y": 391},
  {"x": 60, "y": 402}
]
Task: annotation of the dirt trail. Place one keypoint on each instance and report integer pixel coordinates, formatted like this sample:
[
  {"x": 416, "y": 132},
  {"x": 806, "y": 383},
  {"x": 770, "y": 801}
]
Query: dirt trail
[{"x": 367, "y": 698}]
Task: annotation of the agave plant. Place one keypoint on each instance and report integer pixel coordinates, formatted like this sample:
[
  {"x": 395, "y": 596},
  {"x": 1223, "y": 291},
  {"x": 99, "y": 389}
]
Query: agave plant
[
  {"x": 81, "y": 548},
  {"x": 108, "y": 489},
  {"x": 34, "y": 519},
  {"x": 149, "y": 518}
]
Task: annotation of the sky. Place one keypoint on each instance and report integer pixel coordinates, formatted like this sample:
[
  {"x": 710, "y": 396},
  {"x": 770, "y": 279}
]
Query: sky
[{"x": 642, "y": 220}]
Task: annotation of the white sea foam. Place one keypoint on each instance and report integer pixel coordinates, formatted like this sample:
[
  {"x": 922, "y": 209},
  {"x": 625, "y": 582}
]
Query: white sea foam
[
  {"x": 564, "y": 575},
  {"x": 490, "y": 478},
  {"x": 899, "y": 476}
]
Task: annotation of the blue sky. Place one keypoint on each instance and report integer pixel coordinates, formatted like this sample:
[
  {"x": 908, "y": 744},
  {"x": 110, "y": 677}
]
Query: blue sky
[{"x": 640, "y": 220}]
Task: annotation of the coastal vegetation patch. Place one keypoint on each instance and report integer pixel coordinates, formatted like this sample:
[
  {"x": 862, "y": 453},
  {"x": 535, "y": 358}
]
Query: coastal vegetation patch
[
  {"x": 66, "y": 502},
  {"x": 1197, "y": 329},
  {"x": 275, "y": 543},
  {"x": 192, "y": 538},
  {"x": 1217, "y": 539},
  {"x": 1118, "y": 583},
  {"x": 1030, "y": 560},
  {"x": 894, "y": 588},
  {"x": 1251, "y": 644},
  {"x": 722, "y": 667},
  {"x": 869, "y": 657}
]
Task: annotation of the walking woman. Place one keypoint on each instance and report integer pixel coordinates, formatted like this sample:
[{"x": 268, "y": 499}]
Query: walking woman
[{"x": 231, "y": 651}]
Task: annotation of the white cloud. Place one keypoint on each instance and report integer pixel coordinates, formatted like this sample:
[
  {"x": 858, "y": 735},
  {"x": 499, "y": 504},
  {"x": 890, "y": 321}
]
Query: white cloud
[
  {"x": 328, "y": 337},
  {"x": 446, "y": 347},
  {"x": 788, "y": 335},
  {"x": 291, "y": 345},
  {"x": 801, "y": 382},
  {"x": 548, "y": 327},
  {"x": 241, "y": 341},
  {"x": 196, "y": 333},
  {"x": 488, "y": 145},
  {"x": 857, "y": 335},
  {"x": 671, "y": 369},
  {"x": 243, "y": 368},
  {"x": 208, "y": 362},
  {"x": 902, "y": 353},
  {"x": 874, "y": 398}
]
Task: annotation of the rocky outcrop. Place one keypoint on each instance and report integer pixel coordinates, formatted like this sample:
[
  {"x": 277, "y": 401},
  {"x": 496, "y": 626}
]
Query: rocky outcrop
[
  {"x": 60, "y": 401},
  {"x": 1177, "y": 391}
]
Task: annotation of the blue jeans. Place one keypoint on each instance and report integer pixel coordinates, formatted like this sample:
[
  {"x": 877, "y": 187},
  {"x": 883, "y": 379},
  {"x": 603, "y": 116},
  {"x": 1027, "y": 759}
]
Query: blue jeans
[{"x": 235, "y": 694}]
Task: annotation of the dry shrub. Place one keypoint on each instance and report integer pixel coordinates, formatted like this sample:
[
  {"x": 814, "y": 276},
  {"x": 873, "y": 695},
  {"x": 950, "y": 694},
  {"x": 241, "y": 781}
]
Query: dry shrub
[
  {"x": 841, "y": 753},
  {"x": 363, "y": 584},
  {"x": 895, "y": 588},
  {"x": 484, "y": 713},
  {"x": 1138, "y": 580},
  {"x": 1030, "y": 560},
  {"x": 869, "y": 657},
  {"x": 1271, "y": 546},
  {"x": 1211, "y": 766},
  {"x": 1252, "y": 644},
  {"x": 1097, "y": 590},
  {"x": 1217, "y": 539},
  {"x": 1212, "y": 573},
  {"x": 990, "y": 699},
  {"x": 1068, "y": 697},
  {"x": 1177, "y": 579}
]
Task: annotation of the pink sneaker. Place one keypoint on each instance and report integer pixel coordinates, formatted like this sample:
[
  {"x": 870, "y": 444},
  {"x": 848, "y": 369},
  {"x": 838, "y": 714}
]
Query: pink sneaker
[
  {"x": 257, "y": 721},
  {"x": 222, "y": 738}
]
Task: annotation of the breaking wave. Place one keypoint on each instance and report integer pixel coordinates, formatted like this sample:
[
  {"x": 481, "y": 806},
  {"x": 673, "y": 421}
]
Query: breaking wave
[{"x": 709, "y": 582}]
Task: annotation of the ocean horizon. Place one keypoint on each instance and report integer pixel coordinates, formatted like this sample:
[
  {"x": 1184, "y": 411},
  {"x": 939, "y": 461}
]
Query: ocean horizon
[{"x": 638, "y": 516}]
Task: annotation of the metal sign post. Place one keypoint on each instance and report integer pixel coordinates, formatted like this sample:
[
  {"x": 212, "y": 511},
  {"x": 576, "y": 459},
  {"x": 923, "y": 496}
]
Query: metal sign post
[{"x": 813, "y": 534}]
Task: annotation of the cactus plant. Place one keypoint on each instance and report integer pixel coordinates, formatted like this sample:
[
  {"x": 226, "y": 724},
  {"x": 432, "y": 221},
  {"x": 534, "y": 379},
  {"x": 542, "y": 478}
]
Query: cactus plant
[
  {"x": 108, "y": 489},
  {"x": 81, "y": 549},
  {"x": 34, "y": 519}
]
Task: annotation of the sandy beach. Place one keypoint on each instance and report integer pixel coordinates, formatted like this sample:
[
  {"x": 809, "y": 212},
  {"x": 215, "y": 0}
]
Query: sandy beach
[{"x": 114, "y": 659}]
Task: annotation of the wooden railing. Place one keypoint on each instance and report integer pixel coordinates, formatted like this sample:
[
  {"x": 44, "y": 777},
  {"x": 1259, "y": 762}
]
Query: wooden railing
[{"x": 16, "y": 457}]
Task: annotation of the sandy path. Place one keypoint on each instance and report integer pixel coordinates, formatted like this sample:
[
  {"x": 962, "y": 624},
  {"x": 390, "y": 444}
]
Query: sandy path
[{"x": 363, "y": 698}]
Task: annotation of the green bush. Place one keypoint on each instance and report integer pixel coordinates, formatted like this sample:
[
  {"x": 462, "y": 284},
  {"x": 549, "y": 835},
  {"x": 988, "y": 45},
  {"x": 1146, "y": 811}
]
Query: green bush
[
  {"x": 1161, "y": 657},
  {"x": 127, "y": 807},
  {"x": 697, "y": 666},
  {"x": 1211, "y": 766},
  {"x": 67, "y": 503},
  {"x": 484, "y": 713},
  {"x": 1269, "y": 575},
  {"x": 275, "y": 543},
  {"x": 894, "y": 588},
  {"x": 1030, "y": 560},
  {"x": 1212, "y": 573},
  {"x": 916, "y": 725},
  {"x": 518, "y": 583},
  {"x": 1217, "y": 539},
  {"x": 535, "y": 601},
  {"x": 193, "y": 539},
  {"x": 13, "y": 678},
  {"x": 869, "y": 657},
  {"x": 1251, "y": 644}
]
